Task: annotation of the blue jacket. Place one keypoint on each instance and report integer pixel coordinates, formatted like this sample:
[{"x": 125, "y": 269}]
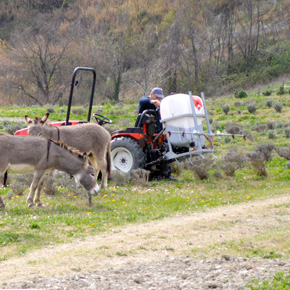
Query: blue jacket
[{"x": 144, "y": 104}]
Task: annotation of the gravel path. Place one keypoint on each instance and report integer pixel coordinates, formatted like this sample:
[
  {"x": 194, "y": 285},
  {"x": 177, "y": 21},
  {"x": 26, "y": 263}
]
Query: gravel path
[
  {"x": 154, "y": 254},
  {"x": 171, "y": 273}
]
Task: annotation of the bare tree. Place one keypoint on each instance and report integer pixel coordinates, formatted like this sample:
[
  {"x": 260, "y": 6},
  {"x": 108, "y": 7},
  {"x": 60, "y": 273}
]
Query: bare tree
[
  {"x": 34, "y": 67},
  {"x": 247, "y": 35}
]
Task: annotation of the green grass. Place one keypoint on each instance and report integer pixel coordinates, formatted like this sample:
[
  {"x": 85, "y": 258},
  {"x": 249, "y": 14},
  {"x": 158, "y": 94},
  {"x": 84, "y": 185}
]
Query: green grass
[
  {"x": 280, "y": 281},
  {"x": 67, "y": 217}
]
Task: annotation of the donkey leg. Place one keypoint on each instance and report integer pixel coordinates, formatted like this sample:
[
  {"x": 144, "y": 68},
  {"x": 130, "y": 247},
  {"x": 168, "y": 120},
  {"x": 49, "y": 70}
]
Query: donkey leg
[
  {"x": 35, "y": 182},
  {"x": 95, "y": 165},
  {"x": 39, "y": 187},
  {"x": 100, "y": 164},
  {"x": 2, "y": 205},
  {"x": 103, "y": 165}
]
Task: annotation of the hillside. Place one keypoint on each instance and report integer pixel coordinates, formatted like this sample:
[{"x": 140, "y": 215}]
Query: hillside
[{"x": 211, "y": 46}]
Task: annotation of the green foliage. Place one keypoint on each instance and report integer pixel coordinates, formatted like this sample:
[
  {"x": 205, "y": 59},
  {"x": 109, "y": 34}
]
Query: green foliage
[
  {"x": 278, "y": 107},
  {"x": 280, "y": 281},
  {"x": 252, "y": 109},
  {"x": 226, "y": 109},
  {"x": 281, "y": 91},
  {"x": 269, "y": 103},
  {"x": 240, "y": 94},
  {"x": 267, "y": 93}
]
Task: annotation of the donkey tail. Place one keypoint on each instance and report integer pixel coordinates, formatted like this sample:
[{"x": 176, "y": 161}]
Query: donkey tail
[{"x": 109, "y": 160}]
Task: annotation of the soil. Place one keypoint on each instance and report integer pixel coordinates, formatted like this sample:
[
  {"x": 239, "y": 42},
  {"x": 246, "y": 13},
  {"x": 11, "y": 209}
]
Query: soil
[{"x": 159, "y": 254}]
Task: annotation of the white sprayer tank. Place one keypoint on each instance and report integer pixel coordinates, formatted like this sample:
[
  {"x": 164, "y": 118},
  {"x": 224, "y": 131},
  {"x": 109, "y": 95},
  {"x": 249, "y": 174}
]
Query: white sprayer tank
[{"x": 175, "y": 110}]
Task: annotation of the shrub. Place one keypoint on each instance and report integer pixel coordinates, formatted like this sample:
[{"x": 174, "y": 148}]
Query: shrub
[
  {"x": 13, "y": 127},
  {"x": 287, "y": 133},
  {"x": 281, "y": 91},
  {"x": 271, "y": 125},
  {"x": 50, "y": 187},
  {"x": 271, "y": 135},
  {"x": 266, "y": 150},
  {"x": 269, "y": 104},
  {"x": 217, "y": 174},
  {"x": 278, "y": 108},
  {"x": 237, "y": 104},
  {"x": 257, "y": 162},
  {"x": 176, "y": 168},
  {"x": 240, "y": 94},
  {"x": 267, "y": 93},
  {"x": 121, "y": 178},
  {"x": 50, "y": 110},
  {"x": 226, "y": 109},
  {"x": 252, "y": 109},
  {"x": 235, "y": 156},
  {"x": 140, "y": 176},
  {"x": 260, "y": 128},
  {"x": 228, "y": 139},
  {"x": 201, "y": 169},
  {"x": 234, "y": 128},
  {"x": 283, "y": 152},
  {"x": 233, "y": 161},
  {"x": 20, "y": 183},
  {"x": 78, "y": 111}
]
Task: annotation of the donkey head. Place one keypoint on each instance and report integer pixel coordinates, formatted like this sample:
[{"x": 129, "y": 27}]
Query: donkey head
[
  {"x": 35, "y": 125},
  {"x": 86, "y": 178}
]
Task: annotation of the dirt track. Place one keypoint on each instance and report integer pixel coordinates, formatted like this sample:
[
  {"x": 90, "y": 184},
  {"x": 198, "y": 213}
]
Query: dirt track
[{"x": 154, "y": 255}]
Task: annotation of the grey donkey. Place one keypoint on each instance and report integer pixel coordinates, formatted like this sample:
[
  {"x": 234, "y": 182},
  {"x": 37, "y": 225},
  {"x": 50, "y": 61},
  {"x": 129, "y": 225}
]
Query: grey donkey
[
  {"x": 26, "y": 154},
  {"x": 88, "y": 137}
]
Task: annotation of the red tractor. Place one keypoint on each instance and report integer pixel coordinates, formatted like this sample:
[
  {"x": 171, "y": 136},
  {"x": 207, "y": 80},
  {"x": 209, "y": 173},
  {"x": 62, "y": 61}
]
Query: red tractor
[{"x": 141, "y": 147}]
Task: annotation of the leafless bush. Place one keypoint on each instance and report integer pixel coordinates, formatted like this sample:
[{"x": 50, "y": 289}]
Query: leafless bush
[
  {"x": 266, "y": 150},
  {"x": 120, "y": 178},
  {"x": 50, "y": 110},
  {"x": 271, "y": 125},
  {"x": 11, "y": 128},
  {"x": 260, "y": 128},
  {"x": 283, "y": 152},
  {"x": 141, "y": 176},
  {"x": 258, "y": 163},
  {"x": 64, "y": 180},
  {"x": 20, "y": 183},
  {"x": 201, "y": 168},
  {"x": 259, "y": 155},
  {"x": 234, "y": 128},
  {"x": 237, "y": 104},
  {"x": 176, "y": 168},
  {"x": 233, "y": 161},
  {"x": 78, "y": 111},
  {"x": 249, "y": 135},
  {"x": 49, "y": 186},
  {"x": 217, "y": 174}
]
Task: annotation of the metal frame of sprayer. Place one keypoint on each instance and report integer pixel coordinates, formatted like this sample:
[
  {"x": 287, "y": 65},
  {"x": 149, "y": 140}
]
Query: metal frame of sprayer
[{"x": 198, "y": 149}]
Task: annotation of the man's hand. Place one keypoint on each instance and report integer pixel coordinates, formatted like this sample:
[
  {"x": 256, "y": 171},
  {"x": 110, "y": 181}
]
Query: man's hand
[{"x": 156, "y": 103}]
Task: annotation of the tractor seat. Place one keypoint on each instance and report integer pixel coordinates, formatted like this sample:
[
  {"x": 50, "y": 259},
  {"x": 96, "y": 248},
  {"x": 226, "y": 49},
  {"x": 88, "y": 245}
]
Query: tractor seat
[{"x": 144, "y": 116}]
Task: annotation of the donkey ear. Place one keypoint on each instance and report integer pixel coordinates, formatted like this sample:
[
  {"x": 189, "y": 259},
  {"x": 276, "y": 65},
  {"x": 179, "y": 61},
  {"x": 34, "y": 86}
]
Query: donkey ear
[
  {"x": 44, "y": 118},
  {"x": 28, "y": 120}
]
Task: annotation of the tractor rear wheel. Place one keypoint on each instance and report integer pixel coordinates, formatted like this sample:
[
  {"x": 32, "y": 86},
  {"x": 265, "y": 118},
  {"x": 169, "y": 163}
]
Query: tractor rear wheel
[{"x": 127, "y": 154}]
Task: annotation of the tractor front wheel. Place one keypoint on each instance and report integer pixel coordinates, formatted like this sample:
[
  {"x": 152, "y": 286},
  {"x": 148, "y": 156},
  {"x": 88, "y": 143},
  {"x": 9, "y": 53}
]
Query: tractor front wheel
[{"x": 127, "y": 154}]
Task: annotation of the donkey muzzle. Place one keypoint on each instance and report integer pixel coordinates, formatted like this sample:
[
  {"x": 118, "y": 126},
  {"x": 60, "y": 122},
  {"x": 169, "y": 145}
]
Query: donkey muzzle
[{"x": 95, "y": 190}]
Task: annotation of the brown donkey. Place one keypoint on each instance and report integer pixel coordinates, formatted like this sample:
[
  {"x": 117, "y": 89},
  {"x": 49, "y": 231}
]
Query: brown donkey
[
  {"x": 89, "y": 137},
  {"x": 26, "y": 154}
]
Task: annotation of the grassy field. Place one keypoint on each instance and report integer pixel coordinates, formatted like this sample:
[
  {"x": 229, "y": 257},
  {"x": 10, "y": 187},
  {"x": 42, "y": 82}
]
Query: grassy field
[{"x": 67, "y": 215}]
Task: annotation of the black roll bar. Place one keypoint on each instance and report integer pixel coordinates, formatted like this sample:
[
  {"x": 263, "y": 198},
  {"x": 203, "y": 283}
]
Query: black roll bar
[{"x": 72, "y": 88}]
